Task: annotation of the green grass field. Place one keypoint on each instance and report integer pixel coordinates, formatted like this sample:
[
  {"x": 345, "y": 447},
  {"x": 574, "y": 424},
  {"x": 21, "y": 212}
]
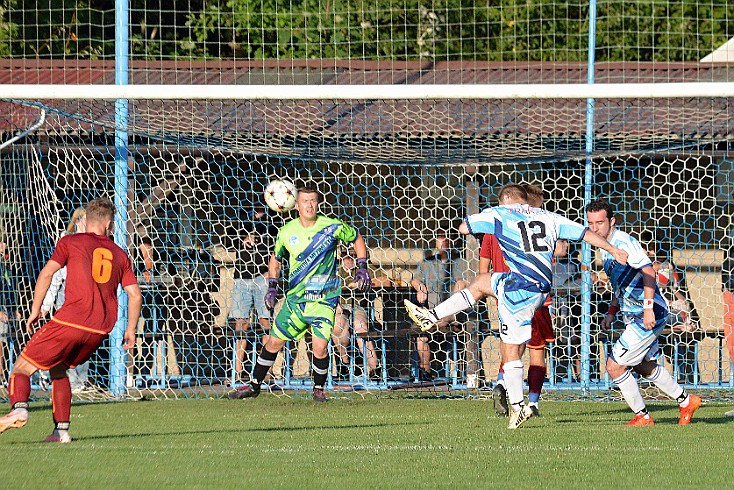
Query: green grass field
[{"x": 385, "y": 443}]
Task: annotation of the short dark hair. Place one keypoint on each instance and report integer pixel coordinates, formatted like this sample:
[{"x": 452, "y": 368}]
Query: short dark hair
[
  {"x": 600, "y": 205},
  {"x": 513, "y": 190},
  {"x": 100, "y": 210},
  {"x": 535, "y": 195},
  {"x": 310, "y": 189}
]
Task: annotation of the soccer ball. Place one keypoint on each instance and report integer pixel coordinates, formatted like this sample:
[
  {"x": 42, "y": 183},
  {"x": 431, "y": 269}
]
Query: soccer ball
[{"x": 280, "y": 195}]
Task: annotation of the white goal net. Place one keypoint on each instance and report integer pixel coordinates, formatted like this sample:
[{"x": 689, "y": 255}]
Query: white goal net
[{"x": 403, "y": 171}]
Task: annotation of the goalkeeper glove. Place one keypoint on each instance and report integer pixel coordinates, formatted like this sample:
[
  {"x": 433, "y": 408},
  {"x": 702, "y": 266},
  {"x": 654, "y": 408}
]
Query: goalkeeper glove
[
  {"x": 271, "y": 297},
  {"x": 362, "y": 277}
]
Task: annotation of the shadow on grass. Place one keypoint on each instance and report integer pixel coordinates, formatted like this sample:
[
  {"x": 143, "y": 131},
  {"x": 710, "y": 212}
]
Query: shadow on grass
[
  {"x": 224, "y": 430},
  {"x": 702, "y": 416}
]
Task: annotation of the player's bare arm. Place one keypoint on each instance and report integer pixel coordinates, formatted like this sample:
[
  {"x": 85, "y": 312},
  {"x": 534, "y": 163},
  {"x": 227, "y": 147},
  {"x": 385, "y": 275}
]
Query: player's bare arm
[
  {"x": 606, "y": 322},
  {"x": 134, "y": 304},
  {"x": 484, "y": 265},
  {"x": 43, "y": 282},
  {"x": 274, "y": 267},
  {"x": 360, "y": 248},
  {"x": 649, "y": 285},
  {"x": 598, "y": 241}
]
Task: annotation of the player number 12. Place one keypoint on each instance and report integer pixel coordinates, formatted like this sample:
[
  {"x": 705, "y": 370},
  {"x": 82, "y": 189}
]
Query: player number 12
[{"x": 533, "y": 242}]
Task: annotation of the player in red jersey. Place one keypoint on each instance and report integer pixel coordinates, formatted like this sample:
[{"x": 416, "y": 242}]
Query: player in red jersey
[
  {"x": 95, "y": 267},
  {"x": 490, "y": 255}
]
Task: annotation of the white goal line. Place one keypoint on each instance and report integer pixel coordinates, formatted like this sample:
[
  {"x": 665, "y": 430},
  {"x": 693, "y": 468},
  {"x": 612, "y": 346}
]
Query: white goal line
[{"x": 368, "y": 92}]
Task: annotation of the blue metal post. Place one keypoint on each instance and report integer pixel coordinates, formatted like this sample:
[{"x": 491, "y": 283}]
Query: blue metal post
[
  {"x": 588, "y": 179},
  {"x": 118, "y": 357}
]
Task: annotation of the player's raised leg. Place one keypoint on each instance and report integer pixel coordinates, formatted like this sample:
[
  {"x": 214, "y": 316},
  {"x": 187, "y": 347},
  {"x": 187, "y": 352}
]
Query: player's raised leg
[{"x": 463, "y": 300}]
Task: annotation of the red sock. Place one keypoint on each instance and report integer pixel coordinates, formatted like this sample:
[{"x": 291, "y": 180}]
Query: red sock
[
  {"x": 536, "y": 377},
  {"x": 502, "y": 367},
  {"x": 61, "y": 399},
  {"x": 20, "y": 389}
]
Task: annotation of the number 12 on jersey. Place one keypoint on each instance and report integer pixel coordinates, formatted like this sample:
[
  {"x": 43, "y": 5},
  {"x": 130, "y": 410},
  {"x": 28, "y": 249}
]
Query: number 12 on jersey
[{"x": 533, "y": 236}]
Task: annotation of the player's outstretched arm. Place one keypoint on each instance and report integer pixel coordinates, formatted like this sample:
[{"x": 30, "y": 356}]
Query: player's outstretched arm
[
  {"x": 598, "y": 241},
  {"x": 134, "y": 304}
]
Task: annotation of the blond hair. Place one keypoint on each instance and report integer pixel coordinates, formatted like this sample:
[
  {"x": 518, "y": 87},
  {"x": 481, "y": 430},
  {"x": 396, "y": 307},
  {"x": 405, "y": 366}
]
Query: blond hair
[
  {"x": 100, "y": 210},
  {"x": 78, "y": 214}
]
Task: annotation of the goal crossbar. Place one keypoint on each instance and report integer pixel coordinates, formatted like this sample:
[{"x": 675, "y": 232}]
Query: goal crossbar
[{"x": 367, "y": 92}]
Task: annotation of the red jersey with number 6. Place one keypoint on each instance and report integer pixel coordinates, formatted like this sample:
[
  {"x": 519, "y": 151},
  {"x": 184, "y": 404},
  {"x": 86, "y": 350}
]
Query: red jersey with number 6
[{"x": 95, "y": 266}]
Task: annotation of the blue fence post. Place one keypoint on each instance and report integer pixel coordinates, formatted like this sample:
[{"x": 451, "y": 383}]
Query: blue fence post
[
  {"x": 588, "y": 180},
  {"x": 118, "y": 357}
]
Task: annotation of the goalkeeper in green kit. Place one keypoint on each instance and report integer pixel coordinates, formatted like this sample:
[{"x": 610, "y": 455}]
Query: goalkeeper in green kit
[{"x": 309, "y": 244}]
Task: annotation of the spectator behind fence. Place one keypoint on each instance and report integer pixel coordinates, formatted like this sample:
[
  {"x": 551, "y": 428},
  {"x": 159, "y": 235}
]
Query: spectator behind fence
[
  {"x": 683, "y": 319},
  {"x": 250, "y": 281},
  {"x": 96, "y": 268},
  {"x": 141, "y": 212},
  {"x": 309, "y": 244},
  {"x": 145, "y": 250},
  {"x": 645, "y": 314},
  {"x": 433, "y": 283},
  {"x": 351, "y": 314}
]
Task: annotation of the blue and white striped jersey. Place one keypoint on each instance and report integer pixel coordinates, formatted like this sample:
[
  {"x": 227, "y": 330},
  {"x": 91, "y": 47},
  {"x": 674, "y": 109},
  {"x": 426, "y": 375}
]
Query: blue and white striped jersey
[
  {"x": 527, "y": 238},
  {"x": 627, "y": 279}
]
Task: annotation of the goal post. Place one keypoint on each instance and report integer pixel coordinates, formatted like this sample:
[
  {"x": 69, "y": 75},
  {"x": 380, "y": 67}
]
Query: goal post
[
  {"x": 403, "y": 164},
  {"x": 426, "y": 91}
]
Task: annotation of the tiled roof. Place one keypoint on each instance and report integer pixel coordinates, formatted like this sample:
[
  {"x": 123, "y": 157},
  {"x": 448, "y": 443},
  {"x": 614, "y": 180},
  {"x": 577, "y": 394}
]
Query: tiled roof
[{"x": 395, "y": 131}]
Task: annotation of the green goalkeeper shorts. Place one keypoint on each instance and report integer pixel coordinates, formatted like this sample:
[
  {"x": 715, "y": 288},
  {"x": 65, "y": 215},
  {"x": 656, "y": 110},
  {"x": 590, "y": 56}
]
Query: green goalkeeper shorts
[{"x": 294, "y": 319}]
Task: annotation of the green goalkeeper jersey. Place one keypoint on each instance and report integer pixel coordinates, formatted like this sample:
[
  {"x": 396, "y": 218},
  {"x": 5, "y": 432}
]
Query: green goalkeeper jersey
[{"x": 311, "y": 255}]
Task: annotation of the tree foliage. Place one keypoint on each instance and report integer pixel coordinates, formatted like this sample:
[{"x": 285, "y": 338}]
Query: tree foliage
[{"x": 494, "y": 30}]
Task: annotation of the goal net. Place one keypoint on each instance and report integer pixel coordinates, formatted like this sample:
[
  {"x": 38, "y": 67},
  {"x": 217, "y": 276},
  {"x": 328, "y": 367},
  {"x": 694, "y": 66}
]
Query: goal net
[{"x": 404, "y": 172}]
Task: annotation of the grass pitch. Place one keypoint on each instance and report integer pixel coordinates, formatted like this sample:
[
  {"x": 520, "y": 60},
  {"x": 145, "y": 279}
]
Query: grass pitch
[{"x": 386, "y": 443}]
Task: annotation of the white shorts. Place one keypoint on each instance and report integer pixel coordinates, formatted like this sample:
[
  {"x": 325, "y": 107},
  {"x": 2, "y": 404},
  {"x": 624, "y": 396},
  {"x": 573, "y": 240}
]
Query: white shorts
[
  {"x": 249, "y": 293},
  {"x": 637, "y": 344},
  {"x": 516, "y": 306}
]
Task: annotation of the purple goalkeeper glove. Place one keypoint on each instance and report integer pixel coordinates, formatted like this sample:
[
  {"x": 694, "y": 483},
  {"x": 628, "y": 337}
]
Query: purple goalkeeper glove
[
  {"x": 271, "y": 297},
  {"x": 362, "y": 277}
]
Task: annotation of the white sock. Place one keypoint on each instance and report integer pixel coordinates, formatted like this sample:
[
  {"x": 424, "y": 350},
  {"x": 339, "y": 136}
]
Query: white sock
[
  {"x": 21, "y": 411},
  {"x": 463, "y": 300},
  {"x": 630, "y": 391},
  {"x": 513, "y": 383},
  {"x": 666, "y": 383}
]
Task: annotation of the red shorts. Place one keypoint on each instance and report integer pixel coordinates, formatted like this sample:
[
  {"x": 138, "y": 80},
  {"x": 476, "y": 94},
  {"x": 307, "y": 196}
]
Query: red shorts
[
  {"x": 542, "y": 329},
  {"x": 56, "y": 344}
]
